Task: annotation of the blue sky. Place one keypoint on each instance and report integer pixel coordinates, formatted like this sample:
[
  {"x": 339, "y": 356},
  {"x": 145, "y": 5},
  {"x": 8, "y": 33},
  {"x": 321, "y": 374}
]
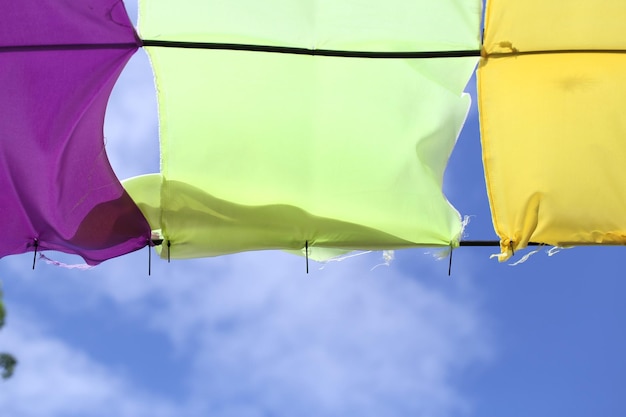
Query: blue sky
[{"x": 254, "y": 335}]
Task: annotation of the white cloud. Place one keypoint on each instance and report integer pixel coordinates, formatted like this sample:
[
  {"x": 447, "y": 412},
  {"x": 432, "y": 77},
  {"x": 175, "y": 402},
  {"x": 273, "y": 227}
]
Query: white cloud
[
  {"x": 131, "y": 128},
  {"x": 343, "y": 343},
  {"x": 264, "y": 338},
  {"x": 53, "y": 379}
]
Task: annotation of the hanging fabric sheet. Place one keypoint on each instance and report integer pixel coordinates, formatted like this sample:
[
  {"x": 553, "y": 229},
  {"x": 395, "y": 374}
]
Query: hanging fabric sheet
[
  {"x": 552, "y": 89},
  {"x": 58, "y": 63},
  {"x": 263, "y": 150}
]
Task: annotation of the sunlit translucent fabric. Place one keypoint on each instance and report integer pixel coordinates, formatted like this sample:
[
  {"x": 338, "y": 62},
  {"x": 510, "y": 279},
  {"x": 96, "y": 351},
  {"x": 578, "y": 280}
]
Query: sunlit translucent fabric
[
  {"x": 58, "y": 187},
  {"x": 552, "y": 124},
  {"x": 370, "y": 25},
  {"x": 538, "y": 25},
  {"x": 271, "y": 151}
]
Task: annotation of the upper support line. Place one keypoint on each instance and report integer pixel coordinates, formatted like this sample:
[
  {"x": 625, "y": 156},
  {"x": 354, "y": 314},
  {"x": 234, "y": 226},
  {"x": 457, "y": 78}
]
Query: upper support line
[
  {"x": 369, "y": 54},
  {"x": 68, "y": 47},
  {"x": 301, "y": 51},
  {"x": 313, "y": 52},
  {"x": 515, "y": 52}
]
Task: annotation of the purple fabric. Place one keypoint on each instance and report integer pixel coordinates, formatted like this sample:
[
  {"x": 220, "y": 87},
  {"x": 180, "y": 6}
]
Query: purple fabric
[
  {"x": 61, "y": 22},
  {"x": 57, "y": 185}
]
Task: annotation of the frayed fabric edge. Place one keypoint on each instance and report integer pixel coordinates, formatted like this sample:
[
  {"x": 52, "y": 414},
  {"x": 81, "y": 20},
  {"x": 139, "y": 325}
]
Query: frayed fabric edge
[
  {"x": 82, "y": 267},
  {"x": 525, "y": 258},
  {"x": 444, "y": 253},
  {"x": 388, "y": 257},
  {"x": 550, "y": 252}
]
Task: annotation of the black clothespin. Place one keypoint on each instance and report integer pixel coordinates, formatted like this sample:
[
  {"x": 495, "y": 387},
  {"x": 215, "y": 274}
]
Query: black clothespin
[
  {"x": 149, "y": 257},
  {"x": 168, "y": 251},
  {"x": 450, "y": 262},
  {"x": 36, "y": 245},
  {"x": 511, "y": 246},
  {"x": 306, "y": 254},
  {"x": 152, "y": 242}
]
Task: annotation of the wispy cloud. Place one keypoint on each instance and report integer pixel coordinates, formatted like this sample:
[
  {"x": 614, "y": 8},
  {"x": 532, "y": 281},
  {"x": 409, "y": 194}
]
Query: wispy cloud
[
  {"x": 131, "y": 128},
  {"x": 55, "y": 379},
  {"x": 263, "y": 338}
]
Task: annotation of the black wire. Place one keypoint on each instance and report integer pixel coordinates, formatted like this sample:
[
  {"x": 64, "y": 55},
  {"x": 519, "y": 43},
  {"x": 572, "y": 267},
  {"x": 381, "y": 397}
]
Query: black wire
[
  {"x": 67, "y": 47},
  {"x": 469, "y": 243},
  {"x": 299, "y": 51},
  {"x": 314, "y": 52},
  {"x": 485, "y": 243}
]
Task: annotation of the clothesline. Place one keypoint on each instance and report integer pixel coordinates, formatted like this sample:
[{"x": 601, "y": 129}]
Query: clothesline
[
  {"x": 300, "y": 51},
  {"x": 314, "y": 52}
]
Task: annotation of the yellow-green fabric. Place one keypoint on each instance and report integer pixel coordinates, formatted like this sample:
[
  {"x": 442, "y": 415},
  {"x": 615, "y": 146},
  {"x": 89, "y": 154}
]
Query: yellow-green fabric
[
  {"x": 358, "y": 25},
  {"x": 552, "y": 125},
  {"x": 271, "y": 151}
]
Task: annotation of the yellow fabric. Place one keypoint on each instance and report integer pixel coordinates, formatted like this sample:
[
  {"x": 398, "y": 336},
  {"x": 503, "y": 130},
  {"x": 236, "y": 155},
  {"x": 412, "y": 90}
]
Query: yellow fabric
[
  {"x": 551, "y": 93},
  {"x": 553, "y": 134},
  {"x": 540, "y": 25}
]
